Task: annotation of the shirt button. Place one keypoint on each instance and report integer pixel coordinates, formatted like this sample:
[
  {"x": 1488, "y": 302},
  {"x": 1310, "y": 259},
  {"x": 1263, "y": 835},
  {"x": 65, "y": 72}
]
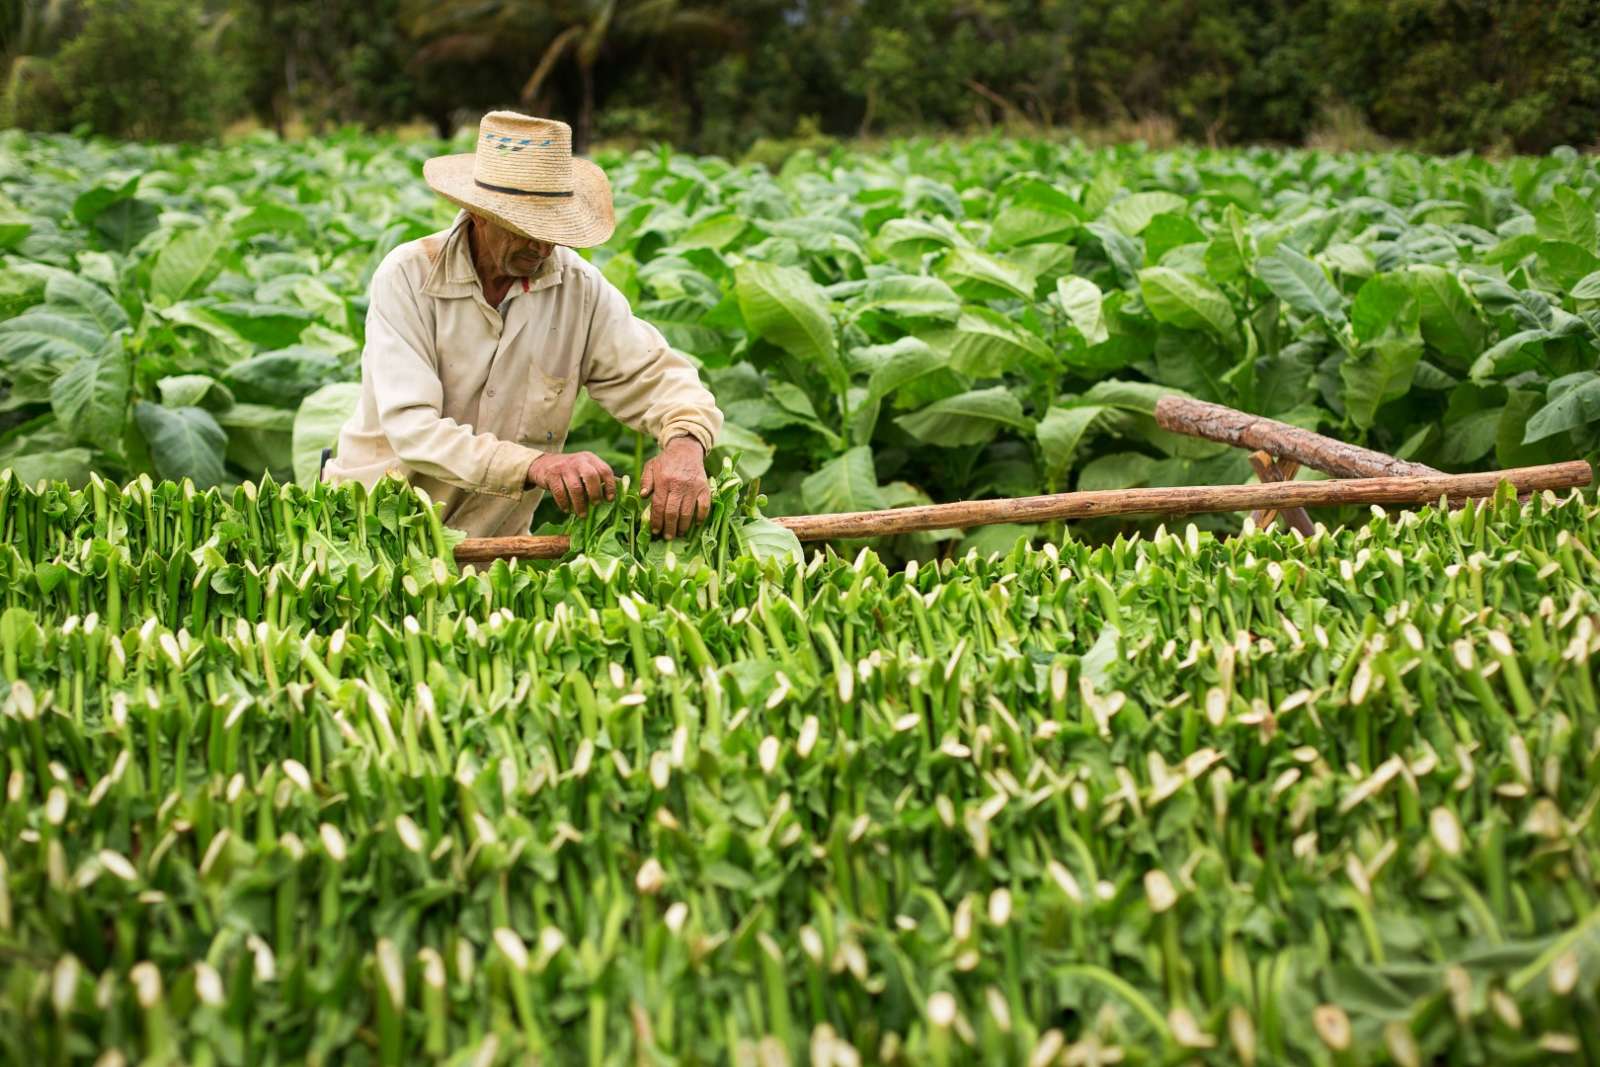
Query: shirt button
[{"x": 491, "y": 392}]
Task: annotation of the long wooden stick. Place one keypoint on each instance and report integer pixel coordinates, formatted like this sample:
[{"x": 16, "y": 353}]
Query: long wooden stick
[
  {"x": 1214, "y": 422},
  {"x": 1176, "y": 500}
]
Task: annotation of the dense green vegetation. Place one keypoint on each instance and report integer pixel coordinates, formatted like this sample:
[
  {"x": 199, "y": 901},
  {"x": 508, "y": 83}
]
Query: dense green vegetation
[
  {"x": 718, "y": 75},
  {"x": 929, "y": 321},
  {"x": 282, "y": 787}
]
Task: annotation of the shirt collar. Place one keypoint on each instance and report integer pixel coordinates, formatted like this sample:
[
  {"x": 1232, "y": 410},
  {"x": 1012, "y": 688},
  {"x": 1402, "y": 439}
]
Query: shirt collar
[{"x": 453, "y": 275}]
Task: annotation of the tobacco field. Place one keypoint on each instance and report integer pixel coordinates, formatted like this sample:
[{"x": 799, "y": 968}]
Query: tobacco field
[
  {"x": 283, "y": 786},
  {"x": 934, "y": 320}
]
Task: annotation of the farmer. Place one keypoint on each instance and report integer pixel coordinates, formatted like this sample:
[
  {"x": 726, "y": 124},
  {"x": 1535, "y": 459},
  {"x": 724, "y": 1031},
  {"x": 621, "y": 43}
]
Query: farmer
[{"x": 479, "y": 337}]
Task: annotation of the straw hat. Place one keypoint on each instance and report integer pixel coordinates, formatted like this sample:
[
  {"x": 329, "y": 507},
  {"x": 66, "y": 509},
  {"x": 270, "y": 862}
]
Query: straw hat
[{"x": 523, "y": 177}]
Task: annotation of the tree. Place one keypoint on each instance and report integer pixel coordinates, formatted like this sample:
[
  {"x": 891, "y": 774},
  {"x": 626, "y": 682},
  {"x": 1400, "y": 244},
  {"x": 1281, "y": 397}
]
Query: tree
[{"x": 570, "y": 37}]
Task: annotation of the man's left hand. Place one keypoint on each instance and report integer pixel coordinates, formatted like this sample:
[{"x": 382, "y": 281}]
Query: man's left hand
[{"x": 675, "y": 482}]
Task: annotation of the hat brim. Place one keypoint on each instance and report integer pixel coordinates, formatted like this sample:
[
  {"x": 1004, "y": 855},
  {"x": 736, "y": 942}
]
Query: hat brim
[{"x": 582, "y": 220}]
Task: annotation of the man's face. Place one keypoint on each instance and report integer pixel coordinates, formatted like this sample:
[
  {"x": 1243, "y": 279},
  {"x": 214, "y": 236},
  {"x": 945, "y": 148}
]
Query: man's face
[{"x": 506, "y": 254}]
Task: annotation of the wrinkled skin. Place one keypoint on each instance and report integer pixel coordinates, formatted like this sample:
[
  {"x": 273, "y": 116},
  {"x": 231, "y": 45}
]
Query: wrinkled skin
[
  {"x": 502, "y": 257},
  {"x": 675, "y": 484}
]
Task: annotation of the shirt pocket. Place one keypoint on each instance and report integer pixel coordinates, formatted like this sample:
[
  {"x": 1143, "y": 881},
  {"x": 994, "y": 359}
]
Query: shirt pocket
[{"x": 549, "y": 412}]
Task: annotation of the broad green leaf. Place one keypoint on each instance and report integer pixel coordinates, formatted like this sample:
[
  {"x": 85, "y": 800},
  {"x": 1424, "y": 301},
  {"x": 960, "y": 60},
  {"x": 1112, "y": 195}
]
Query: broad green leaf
[
  {"x": 1186, "y": 301},
  {"x": 765, "y": 539},
  {"x": 1120, "y": 470},
  {"x": 1511, "y": 355},
  {"x": 49, "y": 336},
  {"x": 1376, "y": 374},
  {"x": 717, "y": 231},
  {"x": 905, "y": 361},
  {"x": 183, "y": 443},
  {"x": 317, "y": 424},
  {"x": 1060, "y": 433},
  {"x": 1034, "y": 210},
  {"x": 1385, "y": 304},
  {"x": 908, "y": 296},
  {"x": 1301, "y": 284},
  {"x": 282, "y": 378},
  {"x": 83, "y": 297},
  {"x": 70, "y": 465},
  {"x": 14, "y": 224},
  {"x": 1567, "y": 216},
  {"x": 1587, "y": 288},
  {"x": 783, "y": 305},
  {"x": 1566, "y": 264},
  {"x": 184, "y": 263},
  {"x": 980, "y": 276},
  {"x": 271, "y": 326},
  {"x": 1141, "y": 397},
  {"x": 846, "y": 483},
  {"x": 194, "y": 390},
  {"x": 1133, "y": 213},
  {"x": 1450, "y": 322},
  {"x": 969, "y": 418},
  {"x": 752, "y": 455},
  {"x": 1574, "y": 402},
  {"x": 1081, "y": 299},
  {"x": 90, "y": 398},
  {"x": 987, "y": 345}
]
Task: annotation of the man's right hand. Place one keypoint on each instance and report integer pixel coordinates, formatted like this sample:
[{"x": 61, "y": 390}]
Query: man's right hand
[{"x": 574, "y": 480}]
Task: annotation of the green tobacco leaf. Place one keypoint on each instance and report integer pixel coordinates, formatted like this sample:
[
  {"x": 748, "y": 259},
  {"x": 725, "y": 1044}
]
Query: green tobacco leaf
[
  {"x": 965, "y": 419},
  {"x": 1120, "y": 470},
  {"x": 183, "y": 442},
  {"x": 1385, "y": 304},
  {"x": 184, "y": 264},
  {"x": 316, "y": 426},
  {"x": 1082, "y": 301},
  {"x": 783, "y": 305},
  {"x": 1060, "y": 433},
  {"x": 1450, "y": 322},
  {"x": 1587, "y": 288},
  {"x": 1141, "y": 397},
  {"x": 1186, "y": 301},
  {"x": 194, "y": 390},
  {"x": 1133, "y": 213},
  {"x": 1375, "y": 375},
  {"x": 1574, "y": 402},
  {"x": 70, "y": 465},
  {"x": 1300, "y": 283},
  {"x": 846, "y": 483},
  {"x": 1567, "y": 216},
  {"x": 1519, "y": 352},
  {"x": 90, "y": 398},
  {"x": 908, "y": 296},
  {"x": 14, "y": 224},
  {"x": 905, "y": 361},
  {"x": 765, "y": 539},
  {"x": 1034, "y": 210},
  {"x": 48, "y": 336},
  {"x": 987, "y": 345},
  {"x": 270, "y": 326},
  {"x": 283, "y": 378},
  {"x": 751, "y": 454},
  {"x": 80, "y": 296},
  {"x": 980, "y": 276}
]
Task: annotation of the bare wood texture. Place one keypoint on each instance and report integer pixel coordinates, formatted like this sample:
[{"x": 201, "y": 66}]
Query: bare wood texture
[
  {"x": 1214, "y": 422},
  {"x": 1282, "y": 470},
  {"x": 1176, "y": 500}
]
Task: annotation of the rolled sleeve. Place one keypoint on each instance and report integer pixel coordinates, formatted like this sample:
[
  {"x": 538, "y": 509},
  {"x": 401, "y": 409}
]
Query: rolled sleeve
[
  {"x": 634, "y": 374},
  {"x": 399, "y": 362}
]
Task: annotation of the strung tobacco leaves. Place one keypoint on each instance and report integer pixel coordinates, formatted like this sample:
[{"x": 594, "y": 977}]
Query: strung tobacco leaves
[{"x": 282, "y": 786}]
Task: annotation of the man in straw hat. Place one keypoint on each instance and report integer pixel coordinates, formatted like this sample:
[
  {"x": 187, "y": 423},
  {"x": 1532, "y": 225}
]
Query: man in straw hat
[{"x": 479, "y": 337}]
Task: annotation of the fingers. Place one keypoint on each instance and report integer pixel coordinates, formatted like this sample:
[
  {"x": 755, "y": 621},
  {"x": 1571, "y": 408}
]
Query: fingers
[
  {"x": 686, "y": 513},
  {"x": 702, "y": 509},
  {"x": 592, "y": 482},
  {"x": 558, "y": 493},
  {"x": 579, "y": 496},
  {"x": 658, "y": 512},
  {"x": 673, "y": 507},
  {"x": 608, "y": 478},
  {"x": 647, "y": 480}
]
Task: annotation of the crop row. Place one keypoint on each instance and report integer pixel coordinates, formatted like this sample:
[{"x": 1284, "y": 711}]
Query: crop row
[{"x": 1268, "y": 799}]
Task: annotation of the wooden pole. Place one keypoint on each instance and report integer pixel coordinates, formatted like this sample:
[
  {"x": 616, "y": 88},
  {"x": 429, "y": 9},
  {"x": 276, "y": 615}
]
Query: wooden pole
[
  {"x": 1175, "y": 500},
  {"x": 1214, "y": 422}
]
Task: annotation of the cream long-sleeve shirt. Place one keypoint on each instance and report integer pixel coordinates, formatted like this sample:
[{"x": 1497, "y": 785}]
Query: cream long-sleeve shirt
[{"x": 460, "y": 397}]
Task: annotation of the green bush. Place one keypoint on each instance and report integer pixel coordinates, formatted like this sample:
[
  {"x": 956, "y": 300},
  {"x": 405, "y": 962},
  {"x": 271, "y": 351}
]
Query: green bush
[{"x": 141, "y": 69}]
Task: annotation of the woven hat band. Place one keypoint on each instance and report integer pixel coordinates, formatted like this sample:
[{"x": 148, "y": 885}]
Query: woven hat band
[{"x": 507, "y": 190}]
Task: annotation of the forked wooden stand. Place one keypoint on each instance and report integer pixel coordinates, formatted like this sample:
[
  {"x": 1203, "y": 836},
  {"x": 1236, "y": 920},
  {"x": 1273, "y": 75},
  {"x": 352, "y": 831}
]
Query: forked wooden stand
[{"x": 1278, "y": 450}]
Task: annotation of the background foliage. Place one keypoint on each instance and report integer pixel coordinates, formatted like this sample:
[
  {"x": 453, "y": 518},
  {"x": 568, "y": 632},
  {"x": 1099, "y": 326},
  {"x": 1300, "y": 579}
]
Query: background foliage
[{"x": 719, "y": 75}]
